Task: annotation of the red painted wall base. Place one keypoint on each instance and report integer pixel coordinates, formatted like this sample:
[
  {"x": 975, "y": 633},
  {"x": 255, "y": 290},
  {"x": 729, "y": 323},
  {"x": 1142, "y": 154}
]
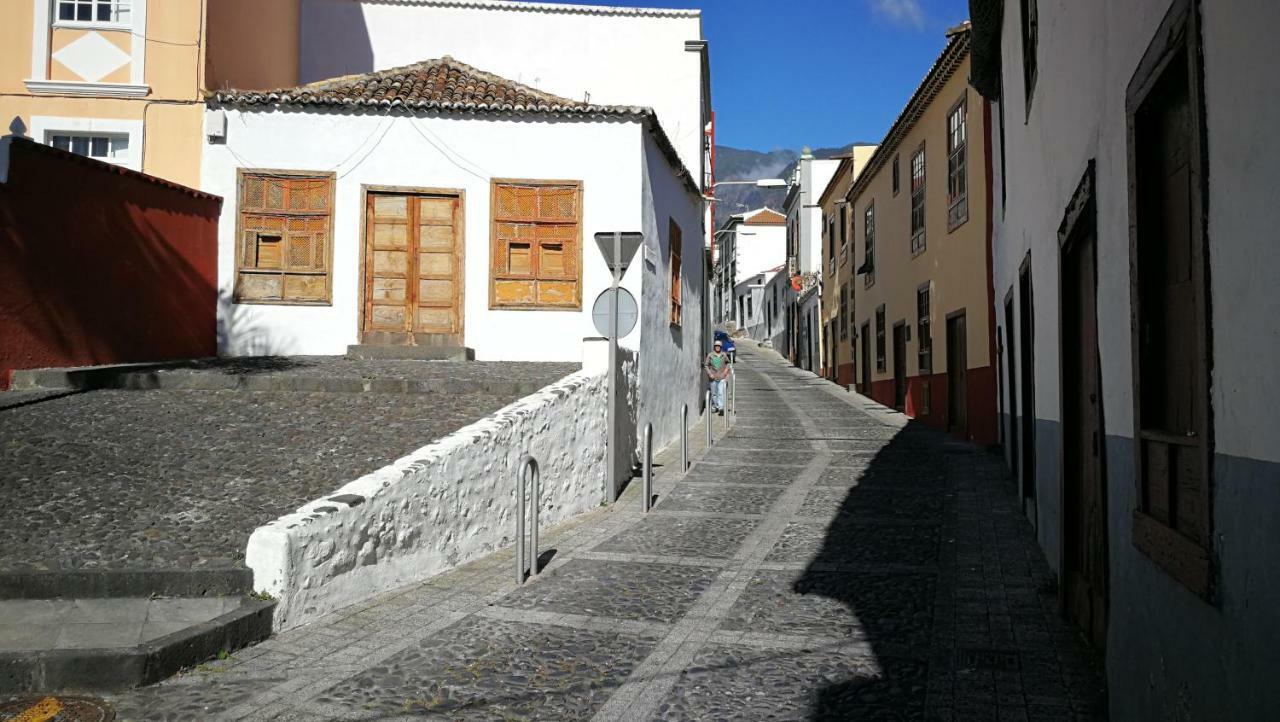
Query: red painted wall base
[{"x": 981, "y": 392}]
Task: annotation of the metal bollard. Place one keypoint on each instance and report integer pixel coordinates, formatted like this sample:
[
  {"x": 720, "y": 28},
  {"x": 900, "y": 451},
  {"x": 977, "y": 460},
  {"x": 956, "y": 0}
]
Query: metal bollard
[
  {"x": 647, "y": 486},
  {"x": 527, "y": 568},
  {"x": 684, "y": 438},
  {"x": 710, "y": 415},
  {"x": 733, "y": 392}
]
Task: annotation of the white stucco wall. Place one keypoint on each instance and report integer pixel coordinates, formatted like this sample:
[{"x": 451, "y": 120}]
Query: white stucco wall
[
  {"x": 449, "y": 152},
  {"x": 443, "y": 505},
  {"x": 1170, "y": 655},
  {"x": 758, "y": 249},
  {"x": 670, "y": 372},
  {"x": 814, "y": 177},
  {"x": 620, "y": 58}
]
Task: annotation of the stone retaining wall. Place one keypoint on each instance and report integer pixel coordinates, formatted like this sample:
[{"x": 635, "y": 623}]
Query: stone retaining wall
[{"x": 443, "y": 505}]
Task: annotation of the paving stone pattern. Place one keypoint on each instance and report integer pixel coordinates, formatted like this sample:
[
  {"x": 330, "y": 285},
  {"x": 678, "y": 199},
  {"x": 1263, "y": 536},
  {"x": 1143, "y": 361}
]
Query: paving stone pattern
[
  {"x": 179, "y": 479},
  {"x": 930, "y": 601}
]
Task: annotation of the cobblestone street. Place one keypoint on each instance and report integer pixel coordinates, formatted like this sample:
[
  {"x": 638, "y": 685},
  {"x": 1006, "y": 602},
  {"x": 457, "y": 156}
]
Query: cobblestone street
[{"x": 821, "y": 561}]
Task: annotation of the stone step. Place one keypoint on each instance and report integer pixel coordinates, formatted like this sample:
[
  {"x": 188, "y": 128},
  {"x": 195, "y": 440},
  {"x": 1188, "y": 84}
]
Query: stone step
[
  {"x": 54, "y": 645},
  {"x": 103, "y": 583},
  {"x": 373, "y": 352}
]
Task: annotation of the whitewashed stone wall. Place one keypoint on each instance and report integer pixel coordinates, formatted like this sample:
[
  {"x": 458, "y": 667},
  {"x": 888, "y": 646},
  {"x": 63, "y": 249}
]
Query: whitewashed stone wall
[{"x": 443, "y": 505}]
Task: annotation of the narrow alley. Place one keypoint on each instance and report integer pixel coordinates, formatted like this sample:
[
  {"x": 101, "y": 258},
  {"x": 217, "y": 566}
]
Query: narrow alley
[{"x": 822, "y": 560}]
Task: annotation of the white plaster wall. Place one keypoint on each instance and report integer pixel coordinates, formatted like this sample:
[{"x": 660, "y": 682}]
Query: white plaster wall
[
  {"x": 814, "y": 177},
  {"x": 670, "y": 359},
  {"x": 443, "y": 505},
  {"x": 449, "y": 152},
  {"x": 622, "y": 59},
  {"x": 1169, "y": 654},
  {"x": 758, "y": 249}
]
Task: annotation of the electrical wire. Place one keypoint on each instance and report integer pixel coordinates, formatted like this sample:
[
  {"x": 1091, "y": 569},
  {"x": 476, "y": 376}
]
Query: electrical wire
[{"x": 448, "y": 157}]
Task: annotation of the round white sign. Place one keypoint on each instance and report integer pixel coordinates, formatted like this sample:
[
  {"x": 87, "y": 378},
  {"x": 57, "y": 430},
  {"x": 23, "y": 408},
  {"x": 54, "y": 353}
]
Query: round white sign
[{"x": 628, "y": 312}]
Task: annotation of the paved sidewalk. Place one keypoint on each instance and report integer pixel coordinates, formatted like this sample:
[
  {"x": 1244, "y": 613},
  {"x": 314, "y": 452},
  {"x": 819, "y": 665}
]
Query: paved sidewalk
[{"x": 822, "y": 562}]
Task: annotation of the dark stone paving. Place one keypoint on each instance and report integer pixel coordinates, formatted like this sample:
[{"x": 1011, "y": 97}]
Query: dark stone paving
[
  {"x": 179, "y": 479},
  {"x": 737, "y": 499},
  {"x": 692, "y": 537},
  {"x": 488, "y": 669},
  {"x": 907, "y": 586},
  {"x": 646, "y": 592}
]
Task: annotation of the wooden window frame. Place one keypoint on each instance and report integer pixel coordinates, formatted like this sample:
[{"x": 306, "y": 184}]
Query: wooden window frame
[
  {"x": 844, "y": 232},
  {"x": 675, "y": 241},
  {"x": 958, "y": 164},
  {"x": 844, "y": 312},
  {"x": 869, "y": 245},
  {"x": 882, "y": 363},
  {"x": 1030, "y": 24},
  {"x": 918, "y": 201},
  {"x": 1188, "y": 561},
  {"x": 897, "y": 173},
  {"x": 242, "y": 174},
  {"x": 924, "y": 337},
  {"x": 93, "y": 22},
  {"x": 494, "y": 249}
]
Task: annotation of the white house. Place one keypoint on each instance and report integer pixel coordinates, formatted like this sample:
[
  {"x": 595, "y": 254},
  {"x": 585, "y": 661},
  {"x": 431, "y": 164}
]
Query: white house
[
  {"x": 1135, "y": 209},
  {"x": 437, "y": 205},
  {"x": 747, "y": 245},
  {"x": 804, "y": 256},
  {"x": 650, "y": 57}
]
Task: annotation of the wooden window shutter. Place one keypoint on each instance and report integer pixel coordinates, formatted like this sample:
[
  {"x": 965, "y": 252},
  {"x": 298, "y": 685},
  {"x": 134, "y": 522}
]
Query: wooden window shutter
[
  {"x": 284, "y": 238},
  {"x": 676, "y": 241},
  {"x": 536, "y": 244}
]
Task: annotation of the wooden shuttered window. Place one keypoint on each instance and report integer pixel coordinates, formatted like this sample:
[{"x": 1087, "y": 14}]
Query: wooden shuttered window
[
  {"x": 285, "y": 226},
  {"x": 1170, "y": 292},
  {"x": 676, "y": 240},
  {"x": 536, "y": 244}
]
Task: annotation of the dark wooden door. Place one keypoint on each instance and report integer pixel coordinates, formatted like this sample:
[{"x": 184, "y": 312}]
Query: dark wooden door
[
  {"x": 900, "y": 366},
  {"x": 866, "y": 358},
  {"x": 1084, "y": 491},
  {"x": 957, "y": 376},
  {"x": 413, "y": 269},
  {"x": 1010, "y": 366},
  {"x": 1027, "y": 369}
]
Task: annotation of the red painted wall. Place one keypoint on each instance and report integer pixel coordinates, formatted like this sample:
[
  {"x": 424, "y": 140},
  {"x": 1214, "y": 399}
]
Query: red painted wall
[
  {"x": 99, "y": 264},
  {"x": 981, "y": 401}
]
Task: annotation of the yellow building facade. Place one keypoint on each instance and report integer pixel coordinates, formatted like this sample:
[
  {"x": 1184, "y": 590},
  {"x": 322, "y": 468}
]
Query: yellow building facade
[
  {"x": 124, "y": 81},
  {"x": 919, "y": 228}
]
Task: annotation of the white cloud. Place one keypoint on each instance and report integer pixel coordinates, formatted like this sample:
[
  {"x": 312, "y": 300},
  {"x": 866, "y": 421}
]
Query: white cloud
[{"x": 907, "y": 13}]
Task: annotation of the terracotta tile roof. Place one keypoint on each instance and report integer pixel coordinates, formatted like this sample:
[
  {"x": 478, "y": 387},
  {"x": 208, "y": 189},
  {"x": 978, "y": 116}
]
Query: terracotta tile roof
[
  {"x": 442, "y": 84},
  {"x": 446, "y": 85},
  {"x": 765, "y": 217}
]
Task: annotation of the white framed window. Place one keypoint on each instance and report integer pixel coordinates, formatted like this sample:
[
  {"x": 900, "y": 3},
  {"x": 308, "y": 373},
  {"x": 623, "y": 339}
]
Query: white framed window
[
  {"x": 94, "y": 12},
  {"x": 112, "y": 148},
  {"x": 106, "y": 139}
]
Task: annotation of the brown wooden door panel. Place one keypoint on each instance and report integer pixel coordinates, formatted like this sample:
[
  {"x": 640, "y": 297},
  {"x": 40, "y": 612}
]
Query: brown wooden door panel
[
  {"x": 413, "y": 266},
  {"x": 900, "y": 366},
  {"x": 1085, "y": 533},
  {"x": 957, "y": 375}
]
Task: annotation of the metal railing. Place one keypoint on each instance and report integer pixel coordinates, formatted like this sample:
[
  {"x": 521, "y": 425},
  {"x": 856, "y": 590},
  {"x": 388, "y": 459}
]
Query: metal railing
[
  {"x": 711, "y": 414},
  {"x": 527, "y": 568},
  {"x": 646, "y": 486},
  {"x": 684, "y": 438}
]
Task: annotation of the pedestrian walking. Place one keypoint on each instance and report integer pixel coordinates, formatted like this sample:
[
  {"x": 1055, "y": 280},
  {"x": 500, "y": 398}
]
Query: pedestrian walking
[{"x": 717, "y": 367}]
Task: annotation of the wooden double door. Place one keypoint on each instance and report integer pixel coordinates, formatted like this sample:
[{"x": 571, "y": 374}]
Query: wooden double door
[{"x": 413, "y": 269}]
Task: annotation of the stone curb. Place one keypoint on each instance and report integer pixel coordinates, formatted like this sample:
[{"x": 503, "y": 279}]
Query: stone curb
[
  {"x": 102, "y": 583},
  {"x": 132, "y": 378},
  {"x": 125, "y": 667}
]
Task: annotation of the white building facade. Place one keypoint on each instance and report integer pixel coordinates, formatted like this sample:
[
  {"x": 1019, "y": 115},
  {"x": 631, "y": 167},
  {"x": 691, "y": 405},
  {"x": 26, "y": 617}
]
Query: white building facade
[
  {"x": 331, "y": 188},
  {"x": 1135, "y": 208},
  {"x": 804, "y": 258},
  {"x": 650, "y": 57},
  {"x": 748, "y": 245}
]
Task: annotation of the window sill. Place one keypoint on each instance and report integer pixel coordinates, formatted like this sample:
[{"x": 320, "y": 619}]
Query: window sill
[
  {"x": 917, "y": 252},
  {"x": 959, "y": 222},
  {"x": 246, "y": 302},
  {"x": 493, "y": 307},
  {"x": 1175, "y": 554},
  {"x": 96, "y": 90},
  {"x": 92, "y": 25}
]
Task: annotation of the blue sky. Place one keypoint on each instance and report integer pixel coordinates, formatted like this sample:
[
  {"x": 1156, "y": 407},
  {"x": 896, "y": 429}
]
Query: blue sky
[{"x": 788, "y": 73}]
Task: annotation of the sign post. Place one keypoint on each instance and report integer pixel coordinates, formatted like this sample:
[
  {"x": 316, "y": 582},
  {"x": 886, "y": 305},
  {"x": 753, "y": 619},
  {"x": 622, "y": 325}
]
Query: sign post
[{"x": 618, "y": 248}]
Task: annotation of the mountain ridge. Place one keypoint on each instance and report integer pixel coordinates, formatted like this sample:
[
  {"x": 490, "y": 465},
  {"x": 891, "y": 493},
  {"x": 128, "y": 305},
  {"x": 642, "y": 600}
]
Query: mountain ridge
[{"x": 746, "y": 164}]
